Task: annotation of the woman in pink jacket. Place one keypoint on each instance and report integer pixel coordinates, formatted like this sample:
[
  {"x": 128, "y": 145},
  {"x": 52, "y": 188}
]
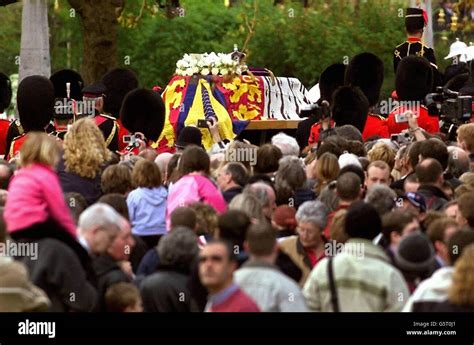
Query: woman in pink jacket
[
  {"x": 35, "y": 206},
  {"x": 195, "y": 185}
]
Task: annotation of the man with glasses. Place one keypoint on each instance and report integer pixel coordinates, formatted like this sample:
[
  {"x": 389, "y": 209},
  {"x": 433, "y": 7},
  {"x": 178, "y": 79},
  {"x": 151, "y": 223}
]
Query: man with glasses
[{"x": 216, "y": 271}]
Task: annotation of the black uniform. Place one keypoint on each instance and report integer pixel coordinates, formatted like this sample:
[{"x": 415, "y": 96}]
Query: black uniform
[
  {"x": 107, "y": 124},
  {"x": 413, "y": 46}
]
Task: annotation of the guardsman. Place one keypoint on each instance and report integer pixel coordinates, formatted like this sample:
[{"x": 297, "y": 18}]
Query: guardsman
[
  {"x": 331, "y": 78},
  {"x": 415, "y": 21},
  {"x": 93, "y": 105},
  {"x": 366, "y": 71},
  {"x": 413, "y": 82},
  {"x": 35, "y": 102},
  {"x": 5, "y": 99},
  {"x": 118, "y": 82},
  {"x": 67, "y": 91},
  {"x": 143, "y": 114}
]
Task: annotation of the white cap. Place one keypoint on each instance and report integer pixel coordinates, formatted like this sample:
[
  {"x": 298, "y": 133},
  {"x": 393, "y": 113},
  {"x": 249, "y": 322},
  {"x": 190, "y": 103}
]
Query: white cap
[
  {"x": 348, "y": 159},
  {"x": 457, "y": 48},
  {"x": 469, "y": 52}
]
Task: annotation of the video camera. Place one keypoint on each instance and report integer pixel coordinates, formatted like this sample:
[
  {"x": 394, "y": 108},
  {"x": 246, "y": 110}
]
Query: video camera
[
  {"x": 451, "y": 108},
  {"x": 321, "y": 112},
  {"x": 449, "y": 105}
]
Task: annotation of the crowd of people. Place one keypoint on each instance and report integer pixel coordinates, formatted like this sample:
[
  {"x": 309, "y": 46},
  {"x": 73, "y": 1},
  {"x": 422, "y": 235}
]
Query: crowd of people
[{"x": 341, "y": 218}]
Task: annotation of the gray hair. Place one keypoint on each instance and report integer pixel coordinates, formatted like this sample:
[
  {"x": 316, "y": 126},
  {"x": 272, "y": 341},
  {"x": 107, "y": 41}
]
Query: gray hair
[
  {"x": 382, "y": 198},
  {"x": 100, "y": 215},
  {"x": 248, "y": 204},
  {"x": 178, "y": 248},
  {"x": 260, "y": 191},
  {"x": 314, "y": 212},
  {"x": 458, "y": 161},
  {"x": 288, "y": 145}
]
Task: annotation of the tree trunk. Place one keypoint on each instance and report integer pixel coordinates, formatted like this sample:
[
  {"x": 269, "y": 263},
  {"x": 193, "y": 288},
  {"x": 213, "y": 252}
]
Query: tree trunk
[
  {"x": 100, "y": 31},
  {"x": 34, "y": 53}
]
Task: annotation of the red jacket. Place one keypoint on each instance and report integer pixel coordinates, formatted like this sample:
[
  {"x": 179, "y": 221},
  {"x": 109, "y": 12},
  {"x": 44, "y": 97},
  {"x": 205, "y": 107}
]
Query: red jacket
[
  {"x": 314, "y": 134},
  {"x": 428, "y": 123},
  {"x": 237, "y": 302},
  {"x": 4, "y": 124},
  {"x": 375, "y": 125}
]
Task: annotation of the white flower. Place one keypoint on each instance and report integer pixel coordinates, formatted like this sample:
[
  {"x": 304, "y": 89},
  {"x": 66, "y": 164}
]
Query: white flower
[
  {"x": 238, "y": 70},
  {"x": 215, "y": 71},
  {"x": 224, "y": 71},
  {"x": 189, "y": 71},
  {"x": 196, "y": 70},
  {"x": 205, "y": 71}
]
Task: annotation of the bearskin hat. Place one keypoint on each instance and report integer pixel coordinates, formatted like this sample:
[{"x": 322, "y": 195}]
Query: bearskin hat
[
  {"x": 118, "y": 82},
  {"x": 143, "y": 111},
  {"x": 366, "y": 71},
  {"x": 5, "y": 92},
  {"x": 64, "y": 76},
  {"x": 331, "y": 78},
  {"x": 414, "y": 79},
  {"x": 350, "y": 107},
  {"x": 35, "y": 102}
]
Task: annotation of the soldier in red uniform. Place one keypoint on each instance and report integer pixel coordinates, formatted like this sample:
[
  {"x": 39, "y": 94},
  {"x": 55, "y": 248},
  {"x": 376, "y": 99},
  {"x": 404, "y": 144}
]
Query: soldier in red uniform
[
  {"x": 93, "y": 96},
  {"x": 331, "y": 78},
  {"x": 5, "y": 99},
  {"x": 366, "y": 71},
  {"x": 414, "y": 80},
  {"x": 143, "y": 113},
  {"x": 35, "y": 102},
  {"x": 118, "y": 82}
]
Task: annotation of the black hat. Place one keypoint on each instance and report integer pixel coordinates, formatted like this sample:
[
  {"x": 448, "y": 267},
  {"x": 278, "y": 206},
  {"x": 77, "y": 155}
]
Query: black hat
[
  {"x": 64, "y": 76},
  {"x": 414, "y": 79},
  {"x": 331, "y": 78},
  {"x": 350, "y": 107},
  {"x": 415, "y": 253},
  {"x": 189, "y": 136},
  {"x": 414, "y": 19},
  {"x": 366, "y": 71},
  {"x": 5, "y": 92},
  {"x": 118, "y": 82},
  {"x": 143, "y": 111},
  {"x": 362, "y": 221},
  {"x": 35, "y": 102},
  {"x": 94, "y": 90}
]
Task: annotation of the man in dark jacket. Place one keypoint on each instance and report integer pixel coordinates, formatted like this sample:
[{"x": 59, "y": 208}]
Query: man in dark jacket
[
  {"x": 113, "y": 267},
  {"x": 430, "y": 177},
  {"x": 60, "y": 274},
  {"x": 231, "y": 179},
  {"x": 167, "y": 289}
]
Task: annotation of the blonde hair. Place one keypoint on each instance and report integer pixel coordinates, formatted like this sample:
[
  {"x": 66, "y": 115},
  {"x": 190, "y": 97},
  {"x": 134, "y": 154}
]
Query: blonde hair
[
  {"x": 461, "y": 292},
  {"x": 85, "y": 150},
  {"x": 39, "y": 148},
  {"x": 337, "y": 229},
  {"x": 466, "y": 134},
  {"x": 382, "y": 152},
  {"x": 326, "y": 170}
]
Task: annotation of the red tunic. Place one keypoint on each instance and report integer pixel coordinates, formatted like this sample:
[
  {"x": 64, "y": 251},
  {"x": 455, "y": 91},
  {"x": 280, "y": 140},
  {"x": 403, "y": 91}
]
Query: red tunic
[
  {"x": 428, "y": 123},
  {"x": 16, "y": 145},
  {"x": 314, "y": 134},
  {"x": 4, "y": 124},
  {"x": 375, "y": 125}
]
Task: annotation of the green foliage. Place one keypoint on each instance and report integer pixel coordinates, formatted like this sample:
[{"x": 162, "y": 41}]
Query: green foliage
[{"x": 289, "y": 40}]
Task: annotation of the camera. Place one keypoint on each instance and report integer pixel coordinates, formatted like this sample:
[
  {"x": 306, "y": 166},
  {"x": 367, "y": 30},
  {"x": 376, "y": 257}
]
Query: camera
[
  {"x": 449, "y": 106},
  {"x": 132, "y": 140},
  {"x": 321, "y": 112},
  {"x": 401, "y": 138},
  {"x": 401, "y": 118},
  {"x": 202, "y": 124}
]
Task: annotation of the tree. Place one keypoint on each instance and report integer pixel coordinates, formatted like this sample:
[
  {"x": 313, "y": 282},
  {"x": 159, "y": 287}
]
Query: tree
[
  {"x": 100, "y": 31},
  {"x": 34, "y": 55}
]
